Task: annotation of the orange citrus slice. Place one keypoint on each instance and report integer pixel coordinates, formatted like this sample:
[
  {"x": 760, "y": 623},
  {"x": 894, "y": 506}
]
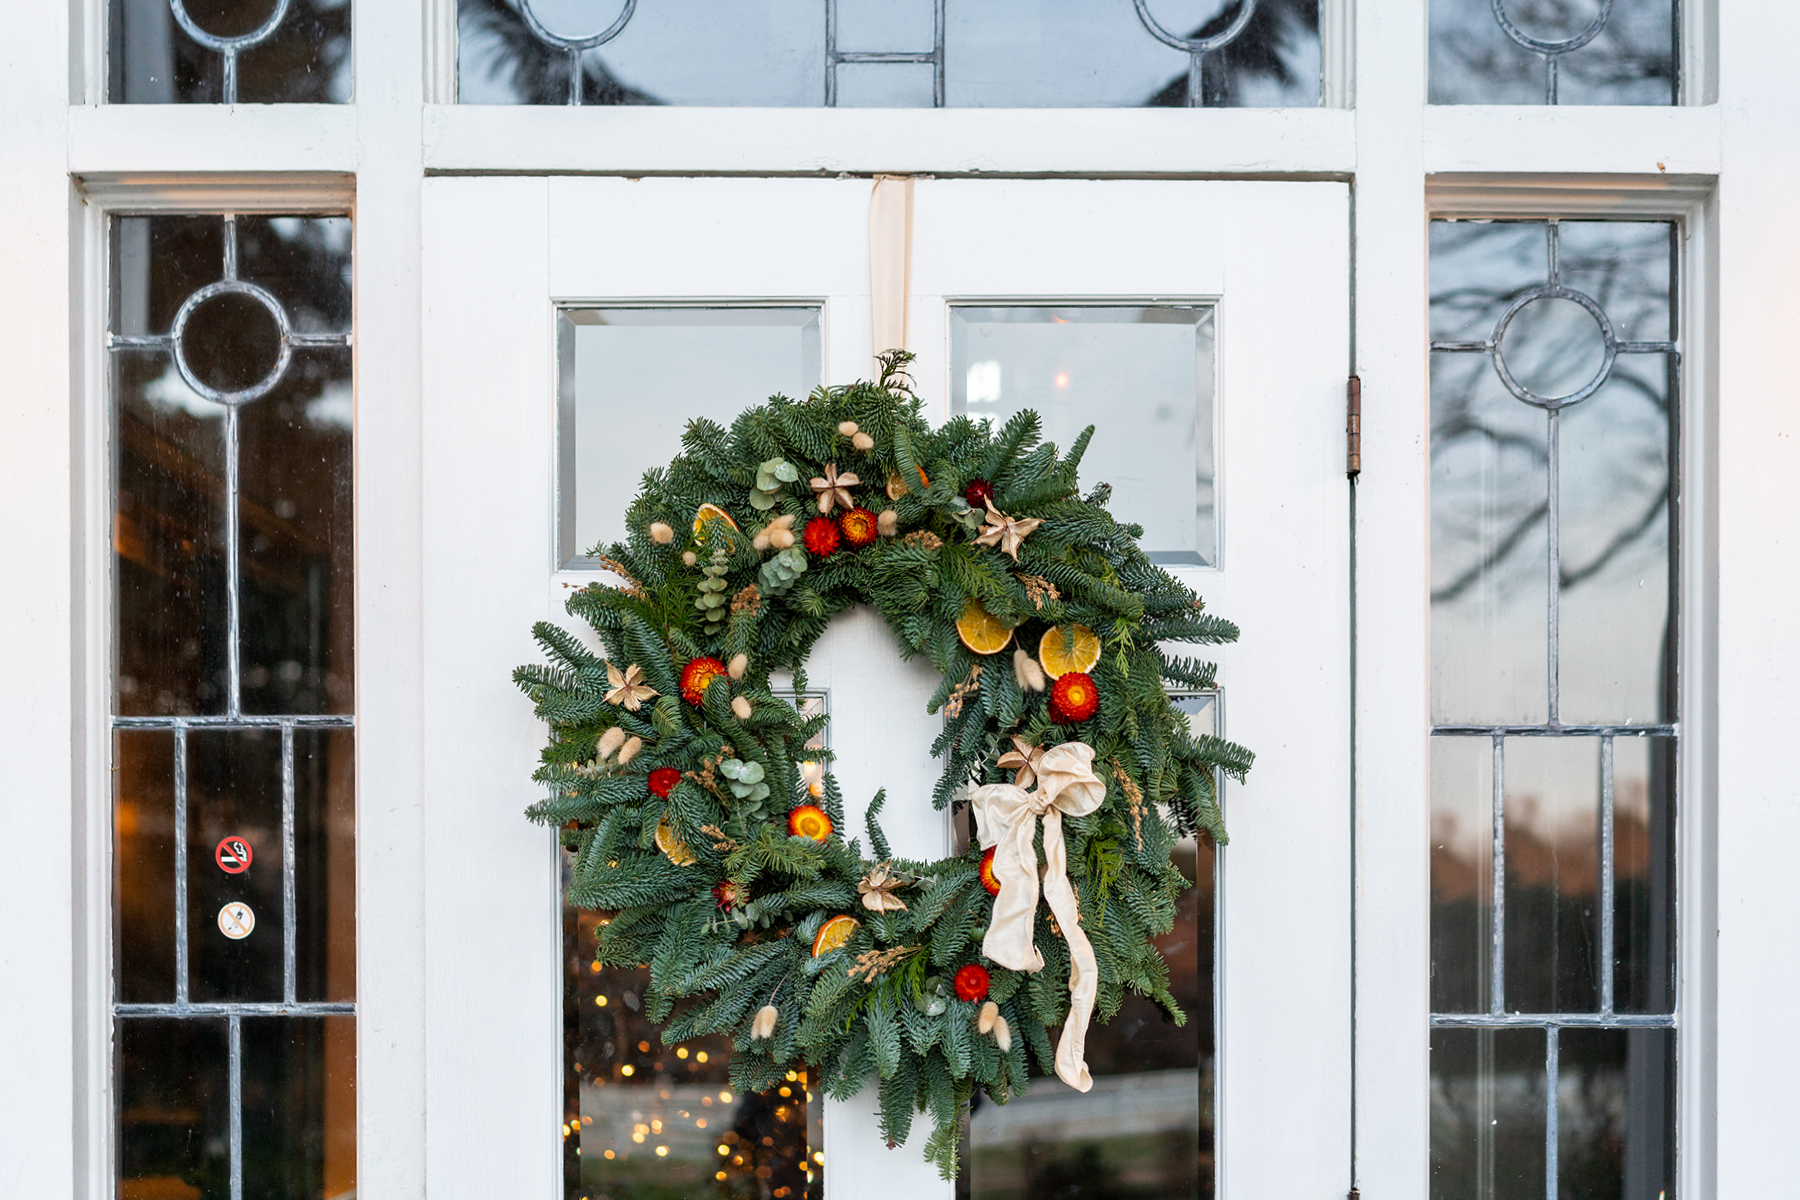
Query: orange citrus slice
[
  {"x": 670, "y": 843},
  {"x": 833, "y": 934},
  {"x": 1066, "y": 648},
  {"x": 980, "y": 630},
  {"x": 708, "y": 512}
]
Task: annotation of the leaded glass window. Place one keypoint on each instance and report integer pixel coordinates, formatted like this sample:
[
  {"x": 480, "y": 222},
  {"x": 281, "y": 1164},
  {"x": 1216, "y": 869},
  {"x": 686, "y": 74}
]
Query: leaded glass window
[
  {"x": 1554, "y": 52},
  {"x": 228, "y": 51},
  {"x": 234, "y": 821},
  {"x": 1554, "y": 386},
  {"x": 892, "y": 53}
]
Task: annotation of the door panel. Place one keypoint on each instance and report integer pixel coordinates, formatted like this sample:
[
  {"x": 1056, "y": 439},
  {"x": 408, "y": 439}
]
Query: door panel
[{"x": 1272, "y": 258}]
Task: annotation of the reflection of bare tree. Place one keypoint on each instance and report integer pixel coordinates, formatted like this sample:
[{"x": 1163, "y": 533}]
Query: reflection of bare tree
[
  {"x": 1473, "y": 422},
  {"x": 493, "y": 33},
  {"x": 1631, "y": 60},
  {"x": 1265, "y": 51}
]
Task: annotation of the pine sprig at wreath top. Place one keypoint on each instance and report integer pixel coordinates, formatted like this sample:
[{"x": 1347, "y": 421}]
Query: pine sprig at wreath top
[{"x": 712, "y": 839}]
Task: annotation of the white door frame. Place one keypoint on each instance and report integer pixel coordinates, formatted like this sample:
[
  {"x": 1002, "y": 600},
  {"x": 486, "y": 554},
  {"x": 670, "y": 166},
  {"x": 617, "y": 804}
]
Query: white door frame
[{"x": 1732, "y": 140}]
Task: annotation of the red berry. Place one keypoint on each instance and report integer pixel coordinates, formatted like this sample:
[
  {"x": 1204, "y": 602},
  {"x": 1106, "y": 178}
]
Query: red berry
[
  {"x": 971, "y": 982},
  {"x": 978, "y": 493},
  {"x": 695, "y": 677},
  {"x": 821, "y": 537},
  {"x": 1074, "y": 698},
  {"x": 858, "y": 525},
  {"x": 663, "y": 781}
]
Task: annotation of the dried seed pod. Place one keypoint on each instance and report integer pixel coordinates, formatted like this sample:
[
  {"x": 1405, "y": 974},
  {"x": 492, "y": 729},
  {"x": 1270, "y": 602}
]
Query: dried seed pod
[
  {"x": 887, "y": 523},
  {"x": 661, "y": 533},
  {"x": 689, "y": 558},
  {"x": 1031, "y": 676},
  {"x": 862, "y": 441},
  {"x": 740, "y": 706},
  {"x": 630, "y": 749},
  {"x": 990, "y": 1014},
  {"x": 610, "y": 741},
  {"x": 1002, "y": 1035},
  {"x": 847, "y": 428},
  {"x": 740, "y": 663},
  {"x": 762, "y": 1027}
]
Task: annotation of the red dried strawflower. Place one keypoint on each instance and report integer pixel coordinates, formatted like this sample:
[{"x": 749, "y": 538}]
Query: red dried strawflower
[
  {"x": 971, "y": 982},
  {"x": 695, "y": 677},
  {"x": 729, "y": 894},
  {"x": 988, "y": 879},
  {"x": 821, "y": 537},
  {"x": 1074, "y": 698},
  {"x": 978, "y": 493},
  {"x": 809, "y": 821},
  {"x": 859, "y": 528},
  {"x": 663, "y": 781}
]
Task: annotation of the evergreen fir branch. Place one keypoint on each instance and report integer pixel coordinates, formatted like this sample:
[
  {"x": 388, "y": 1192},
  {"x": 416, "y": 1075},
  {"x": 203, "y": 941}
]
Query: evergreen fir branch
[{"x": 878, "y": 842}]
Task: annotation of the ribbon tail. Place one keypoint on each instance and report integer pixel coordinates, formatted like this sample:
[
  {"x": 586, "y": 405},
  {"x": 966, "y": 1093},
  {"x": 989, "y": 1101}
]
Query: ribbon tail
[{"x": 1084, "y": 974}]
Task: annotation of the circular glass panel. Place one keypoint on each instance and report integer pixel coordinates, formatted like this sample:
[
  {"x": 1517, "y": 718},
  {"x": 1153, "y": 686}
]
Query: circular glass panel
[
  {"x": 231, "y": 342},
  {"x": 1553, "y": 347}
]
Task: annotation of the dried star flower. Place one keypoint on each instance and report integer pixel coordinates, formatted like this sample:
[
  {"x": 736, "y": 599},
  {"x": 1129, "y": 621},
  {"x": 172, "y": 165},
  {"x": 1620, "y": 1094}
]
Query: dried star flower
[
  {"x": 1023, "y": 758},
  {"x": 877, "y": 888},
  {"x": 1004, "y": 531},
  {"x": 629, "y": 691},
  {"x": 834, "y": 489}
]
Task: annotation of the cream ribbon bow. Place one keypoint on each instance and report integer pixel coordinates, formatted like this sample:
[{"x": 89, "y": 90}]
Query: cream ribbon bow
[{"x": 1006, "y": 818}]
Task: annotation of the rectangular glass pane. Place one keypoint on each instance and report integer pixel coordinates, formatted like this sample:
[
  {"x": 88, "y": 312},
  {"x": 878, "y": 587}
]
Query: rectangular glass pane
[
  {"x": 1554, "y": 52},
  {"x": 234, "y": 793},
  {"x": 1552, "y": 874},
  {"x": 992, "y": 53},
  {"x": 299, "y": 1098},
  {"x": 1644, "y": 875},
  {"x": 630, "y": 379},
  {"x": 229, "y": 51},
  {"x": 1146, "y": 1130},
  {"x": 325, "y": 864},
  {"x": 1487, "y": 1114},
  {"x": 144, "y": 849},
  {"x": 1615, "y": 1107},
  {"x": 174, "y": 1093},
  {"x": 1143, "y": 373},
  {"x": 645, "y": 1121},
  {"x": 1462, "y": 874}
]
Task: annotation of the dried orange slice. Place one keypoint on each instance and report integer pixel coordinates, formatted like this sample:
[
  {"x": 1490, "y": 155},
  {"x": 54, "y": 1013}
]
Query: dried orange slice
[
  {"x": 833, "y": 934},
  {"x": 1066, "y": 648},
  {"x": 896, "y": 486},
  {"x": 670, "y": 843},
  {"x": 980, "y": 630},
  {"x": 709, "y": 512}
]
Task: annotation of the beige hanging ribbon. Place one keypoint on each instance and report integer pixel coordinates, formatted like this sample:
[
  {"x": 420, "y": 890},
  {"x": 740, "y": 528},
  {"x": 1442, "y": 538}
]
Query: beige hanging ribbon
[
  {"x": 1006, "y": 818},
  {"x": 890, "y": 260}
]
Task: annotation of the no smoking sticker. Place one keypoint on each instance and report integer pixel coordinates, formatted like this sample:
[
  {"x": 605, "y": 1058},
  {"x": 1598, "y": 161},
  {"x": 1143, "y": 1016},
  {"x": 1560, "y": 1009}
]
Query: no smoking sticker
[
  {"x": 233, "y": 855},
  {"x": 236, "y": 920}
]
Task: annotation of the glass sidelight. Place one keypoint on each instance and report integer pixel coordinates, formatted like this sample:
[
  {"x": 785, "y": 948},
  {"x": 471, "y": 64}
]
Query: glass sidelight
[
  {"x": 234, "y": 819},
  {"x": 1555, "y": 377}
]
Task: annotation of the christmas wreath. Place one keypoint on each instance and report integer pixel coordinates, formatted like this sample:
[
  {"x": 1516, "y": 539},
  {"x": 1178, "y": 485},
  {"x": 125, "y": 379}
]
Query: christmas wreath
[{"x": 712, "y": 839}]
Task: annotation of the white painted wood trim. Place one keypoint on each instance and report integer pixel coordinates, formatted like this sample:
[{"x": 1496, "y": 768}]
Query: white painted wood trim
[
  {"x": 199, "y": 138},
  {"x": 633, "y": 140}
]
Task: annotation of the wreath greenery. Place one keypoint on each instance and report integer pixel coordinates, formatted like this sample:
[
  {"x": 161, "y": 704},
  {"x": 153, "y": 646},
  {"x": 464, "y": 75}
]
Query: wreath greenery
[{"x": 712, "y": 839}]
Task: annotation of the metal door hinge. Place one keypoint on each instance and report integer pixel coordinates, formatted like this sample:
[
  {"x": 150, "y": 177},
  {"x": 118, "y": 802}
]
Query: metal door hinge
[
  {"x": 1355, "y": 1193},
  {"x": 1353, "y": 430}
]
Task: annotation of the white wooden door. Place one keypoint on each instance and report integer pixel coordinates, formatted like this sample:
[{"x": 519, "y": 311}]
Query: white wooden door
[{"x": 1268, "y": 260}]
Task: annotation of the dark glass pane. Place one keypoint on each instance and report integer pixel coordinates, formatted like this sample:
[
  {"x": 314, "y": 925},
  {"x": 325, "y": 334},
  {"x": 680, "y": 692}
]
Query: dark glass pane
[
  {"x": 296, "y": 527},
  {"x": 1147, "y": 1129},
  {"x": 168, "y": 542},
  {"x": 157, "y": 263},
  {"x": 304, "y": 59},
  {"x": 144, "y": 866},
  {"x": 996, "y": 54},
  {"x": 1487, "y": 1114},
  {"x": 1615, "y": 1109},
  {"x": 645, "y": 1121},
  {"x": 325, "y": 864},
  {"x": 1145, "y": 371},
  {"x": 1552, "y": 875},
  {"x": 234, "y": 791},
  {"x": 1462, "y": 874},
  {"x": 174, "y": 1095},
  {"x": 1644, "y": 875},
  {"x": 299, "y": 1094},
  {"x": 1630, "y": 60},
  {"x": 304, "y": 262}
]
